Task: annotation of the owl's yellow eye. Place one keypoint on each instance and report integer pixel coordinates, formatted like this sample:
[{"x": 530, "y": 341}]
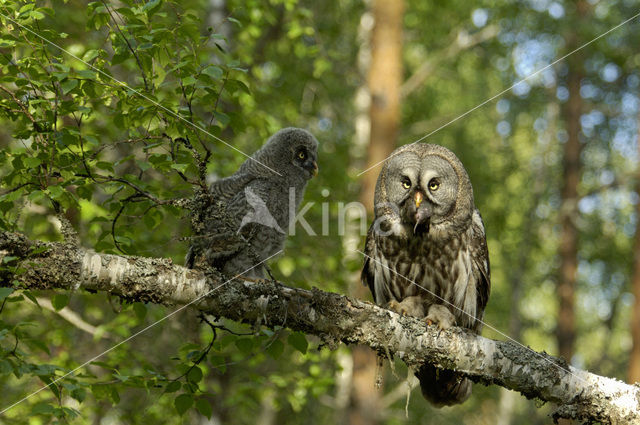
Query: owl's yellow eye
[
  {"x": 406, "y": 184},
  {"x": 434, "y": 185},
  {"x": 302, "y": 155}
]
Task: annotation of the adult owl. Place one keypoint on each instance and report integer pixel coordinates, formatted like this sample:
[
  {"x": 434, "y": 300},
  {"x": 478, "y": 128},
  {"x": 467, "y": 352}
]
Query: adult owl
[
  {"x": 426, "y": 252},
  {"x": 244, "y": 219}
]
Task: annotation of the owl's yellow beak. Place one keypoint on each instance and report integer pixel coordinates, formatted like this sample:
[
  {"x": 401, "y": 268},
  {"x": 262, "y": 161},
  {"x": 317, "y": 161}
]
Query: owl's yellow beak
[
  {"x": 418, "y": 198},
  {"x": 315, "y": 168}
]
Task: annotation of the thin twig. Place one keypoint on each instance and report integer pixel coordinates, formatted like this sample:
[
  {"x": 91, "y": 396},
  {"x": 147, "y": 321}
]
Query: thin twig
[{"x": 135, "y": 55}]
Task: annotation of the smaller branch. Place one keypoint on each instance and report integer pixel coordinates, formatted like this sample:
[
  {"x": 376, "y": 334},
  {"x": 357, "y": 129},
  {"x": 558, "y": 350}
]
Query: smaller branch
[
  {"x": 19, "y": 103},
  {"x": 135, "y": 55},
  {"x": 202, "y": 164},
  {"x": 461, "y": 43},
  {"x": 215, "y": 107},
  {"x": 401, "y": 390},
  {"x": 72, "y": 317},
  {"x": 13, "y": 189},
  {"x": 66, "y": 228},
  {"x": 104, "y": 179},
  {"x": 115, "y": 220},
  {"x": 205, "y": 352}
]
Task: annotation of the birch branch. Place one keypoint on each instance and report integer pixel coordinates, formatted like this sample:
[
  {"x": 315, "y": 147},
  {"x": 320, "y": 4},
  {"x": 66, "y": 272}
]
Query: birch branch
[{"x": 334, "y": 318}]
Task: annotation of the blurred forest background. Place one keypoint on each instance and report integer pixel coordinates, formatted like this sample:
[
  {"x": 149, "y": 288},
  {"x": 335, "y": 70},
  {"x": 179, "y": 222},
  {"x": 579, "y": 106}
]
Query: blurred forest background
[{"x": 553, "y": 160}]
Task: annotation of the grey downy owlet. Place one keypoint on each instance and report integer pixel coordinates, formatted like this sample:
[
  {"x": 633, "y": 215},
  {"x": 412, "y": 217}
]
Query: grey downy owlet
[
  {"x": 245, "y": 218},
  {"x": 426, "y": 252}
]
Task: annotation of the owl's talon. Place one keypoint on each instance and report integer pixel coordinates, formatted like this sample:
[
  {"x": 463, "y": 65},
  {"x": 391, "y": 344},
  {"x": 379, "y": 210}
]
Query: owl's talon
[
  {"x": 440, "y": 316},
  {"x": 410, "y": 306}
]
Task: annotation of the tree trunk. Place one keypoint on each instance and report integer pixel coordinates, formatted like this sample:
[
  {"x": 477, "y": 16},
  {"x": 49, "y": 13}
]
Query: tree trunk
[
  {"x": 571, "y": 164},
  {"x": 633, "y": 373},
  {"x": 565, "y": 331},
  {"x": 385, "y": 78}
]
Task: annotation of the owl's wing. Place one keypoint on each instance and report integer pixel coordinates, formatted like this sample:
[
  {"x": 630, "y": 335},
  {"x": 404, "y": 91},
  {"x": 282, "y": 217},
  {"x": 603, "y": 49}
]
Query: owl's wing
[
  {"x": 221, "y": 238},
  {"x": 480, "y": 256},
  {"x": 226, "y": 189},
  {"x": 368, "y": 270},
  {"x": 247, "y": 203}
]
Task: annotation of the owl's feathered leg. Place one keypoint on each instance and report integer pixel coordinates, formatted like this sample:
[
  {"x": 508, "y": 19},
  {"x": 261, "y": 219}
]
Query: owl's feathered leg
[
  {"x": 443, "y": 387},
  {"x": 440, "y": 316},
  {"x": 440, "y": 386},
  {"x": 410, "y": 306}
]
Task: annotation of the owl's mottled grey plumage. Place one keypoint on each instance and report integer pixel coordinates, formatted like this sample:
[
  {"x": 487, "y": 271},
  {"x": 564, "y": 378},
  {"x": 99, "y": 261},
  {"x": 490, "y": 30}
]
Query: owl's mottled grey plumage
[
  {"x": 244, "y": 219},
  {"x": 427, "y": 253}
]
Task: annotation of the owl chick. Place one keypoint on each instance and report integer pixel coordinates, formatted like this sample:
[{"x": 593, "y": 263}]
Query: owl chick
[
  {"x": 426, "y": 252},
  {"x": 243, "y": 220}
]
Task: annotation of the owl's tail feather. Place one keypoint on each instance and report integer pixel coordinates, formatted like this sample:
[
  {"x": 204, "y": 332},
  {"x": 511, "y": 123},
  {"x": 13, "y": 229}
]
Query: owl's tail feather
[{"x": 443, "y": 387}]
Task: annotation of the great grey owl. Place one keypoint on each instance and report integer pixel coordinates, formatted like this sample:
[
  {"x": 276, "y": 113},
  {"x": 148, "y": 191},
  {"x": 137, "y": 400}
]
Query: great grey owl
[
  {"x": 426, "y": 252},
  {"x": 244, "y": 218}
]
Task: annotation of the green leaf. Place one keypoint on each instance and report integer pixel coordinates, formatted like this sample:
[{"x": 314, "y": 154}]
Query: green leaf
[
  {"x": 183, "y": 402},
  {"x": 59, "y": 301},
  {"x": 100, "y": 392},
  {"x": 6, "y": 43},
  {"x": 194, "y": 375},
  {"x": 152, "y": 7},
  {"x": 188, "y": 81},
  {"x": 42, "y": 409},
  {"x": 173, "y": 386},
  {"x": 90, "y": 55},
  {"x": 235, "y": 21},
  {"x": 68, "y": 85},
  {"x": 56, "y": 191},
  {"x": 204, "y": 407},
  {"x": 31, "y": 162},
  {"x": 103, "y": 364},
  {"x": 114, "y": 396},
  {"x": 213, "y": 71},
  {"x": 180, "y": 167},
  {"x": 88, "y": 74},
  {"x": 222, "y": 118},
  {"x": 245, "y": 345},
  {"x": 30, "y": 296},
  {"x": 298, "y": 341},
  {"x": 79, "y": 394},
  {"x": 5, "y": 367},
  {"x": 39, "y": 345},
  {"x": 275, "y": 349},
  {"x": 53, "y": 387},
  {"x": 104, "y": 165},
  {"x": 5, "y": 292}
]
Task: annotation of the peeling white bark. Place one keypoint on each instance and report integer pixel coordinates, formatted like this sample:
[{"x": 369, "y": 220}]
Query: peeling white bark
[{"x": 334, "y": 318}]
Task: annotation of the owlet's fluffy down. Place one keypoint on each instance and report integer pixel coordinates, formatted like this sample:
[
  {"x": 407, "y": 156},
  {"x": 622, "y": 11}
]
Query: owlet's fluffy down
[
  {"x": 426, "y": 252},
  {"x": 245, "y": 218}
]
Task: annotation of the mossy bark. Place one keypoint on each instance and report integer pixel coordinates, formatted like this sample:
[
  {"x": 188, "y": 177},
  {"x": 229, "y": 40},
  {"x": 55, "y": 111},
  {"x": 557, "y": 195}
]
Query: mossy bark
[{"x": 333, "y": 317}]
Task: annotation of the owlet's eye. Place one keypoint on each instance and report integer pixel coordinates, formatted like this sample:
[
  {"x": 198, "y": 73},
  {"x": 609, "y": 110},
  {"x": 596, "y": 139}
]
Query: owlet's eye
[
  {"x": 434, "y": 185},
  {"x": 302, "y": 155},
  {"x": 406, "y": 184}
]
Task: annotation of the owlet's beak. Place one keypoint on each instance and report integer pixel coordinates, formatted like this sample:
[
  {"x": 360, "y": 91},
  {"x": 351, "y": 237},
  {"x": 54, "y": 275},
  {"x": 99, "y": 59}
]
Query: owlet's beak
[
  {"x": 315, "y": 169},
  {"x": 418, "y": 198}
]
